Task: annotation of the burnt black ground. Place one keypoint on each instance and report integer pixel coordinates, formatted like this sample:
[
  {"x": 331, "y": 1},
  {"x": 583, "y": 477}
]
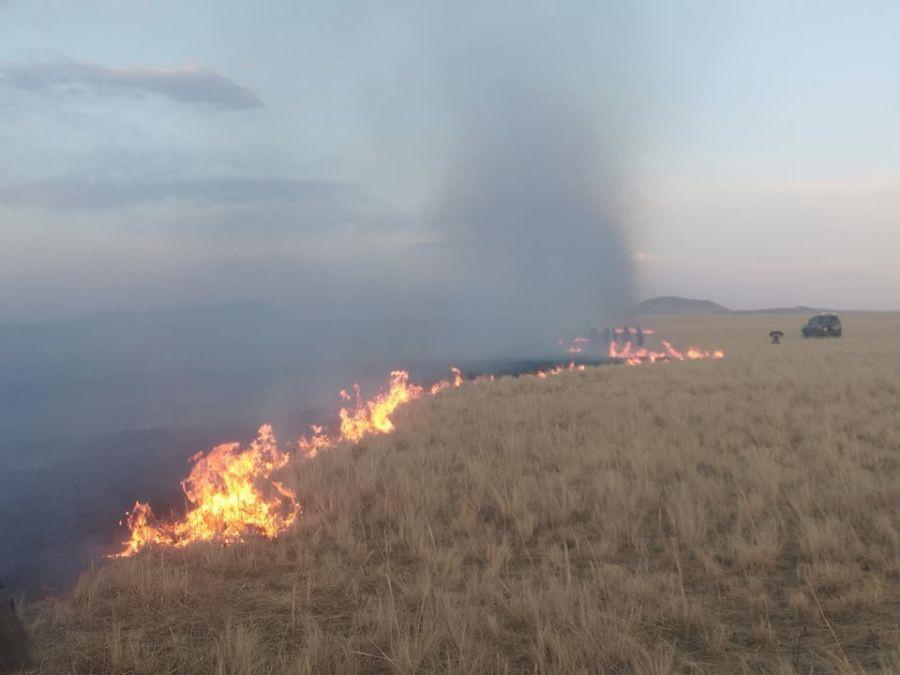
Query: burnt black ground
[{"x": 59, "y": 516}]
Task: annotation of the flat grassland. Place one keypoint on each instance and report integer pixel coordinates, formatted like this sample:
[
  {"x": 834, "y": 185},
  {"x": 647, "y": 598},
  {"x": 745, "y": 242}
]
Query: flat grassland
[{"x": 713, "y": 516}]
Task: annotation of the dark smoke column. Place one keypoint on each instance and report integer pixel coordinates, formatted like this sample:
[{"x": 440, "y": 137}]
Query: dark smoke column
[{"x": 527, "y": 215}]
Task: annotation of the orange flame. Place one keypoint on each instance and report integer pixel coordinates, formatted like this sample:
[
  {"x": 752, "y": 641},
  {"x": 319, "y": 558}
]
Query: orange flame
[
  {"x": 319, "y": 440},
  {"x": 232, "y": 495},
  {"x": 373, "y": 417},
  {"x": 630, "y": 355},
  {"x": 457, "y": 381}
]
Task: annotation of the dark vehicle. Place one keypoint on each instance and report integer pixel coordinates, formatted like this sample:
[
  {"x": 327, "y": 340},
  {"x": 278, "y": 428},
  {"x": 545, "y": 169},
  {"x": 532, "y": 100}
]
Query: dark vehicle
[{"x": 823, "y": 325}]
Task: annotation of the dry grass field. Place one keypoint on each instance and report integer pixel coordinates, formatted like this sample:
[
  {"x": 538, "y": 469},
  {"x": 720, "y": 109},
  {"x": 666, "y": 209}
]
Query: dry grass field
[{"x": 740, "y": 515}]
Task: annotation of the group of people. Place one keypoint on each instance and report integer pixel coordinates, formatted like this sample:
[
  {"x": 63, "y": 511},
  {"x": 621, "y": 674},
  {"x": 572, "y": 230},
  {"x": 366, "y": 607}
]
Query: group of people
[
  {"x": 611, "y": 336},
  {"x": 621, "y": 335}
]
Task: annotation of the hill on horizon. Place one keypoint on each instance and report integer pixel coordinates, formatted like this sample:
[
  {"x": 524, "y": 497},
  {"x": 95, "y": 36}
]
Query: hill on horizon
[
  {"x": 670, "y": 304},
  {"x": 674, "y": 305}
]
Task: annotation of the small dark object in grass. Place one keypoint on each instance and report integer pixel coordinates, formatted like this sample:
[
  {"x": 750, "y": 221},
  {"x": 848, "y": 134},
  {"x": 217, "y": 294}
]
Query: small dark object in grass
[
  {"x": 776, "y": 336},
  {"x": 15, "y": 649}
]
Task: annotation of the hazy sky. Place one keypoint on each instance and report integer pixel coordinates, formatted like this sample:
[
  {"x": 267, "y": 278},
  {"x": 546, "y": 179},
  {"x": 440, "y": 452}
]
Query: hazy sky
[{"x": 324, "y": 155}]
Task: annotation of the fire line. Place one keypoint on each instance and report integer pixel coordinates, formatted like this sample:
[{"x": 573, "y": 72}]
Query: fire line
[{"x": 232, "y": 492}]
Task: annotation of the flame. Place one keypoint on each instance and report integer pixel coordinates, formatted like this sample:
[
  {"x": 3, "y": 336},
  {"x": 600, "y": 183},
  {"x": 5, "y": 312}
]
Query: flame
[
  {"x": 373, "y": 417},
  {"x": 311, "y": 446},
  {"x": 457, "y": 381},
  {"x": 544, "y": 374},
  {"x": 231, "y": 494},
  {"x": 630, "y": 355},
  {"x": 577, "y": 345}
]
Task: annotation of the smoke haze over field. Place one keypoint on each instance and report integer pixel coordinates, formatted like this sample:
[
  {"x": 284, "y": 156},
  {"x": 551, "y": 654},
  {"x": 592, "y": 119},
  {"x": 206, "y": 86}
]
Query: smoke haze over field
[
  {"x": 462, "y": 173},
  {"x": 528, "y": 214},
  {"x": 213, "y": 216},
  {"x": 368, "y": 190}
]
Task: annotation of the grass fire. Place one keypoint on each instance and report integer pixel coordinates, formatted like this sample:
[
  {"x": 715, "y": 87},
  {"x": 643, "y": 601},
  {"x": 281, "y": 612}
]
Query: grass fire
[
  {"x": 233, "y": 493},
  {"x": 466, "y": 337},
  {"x": 711, "y": 515}
]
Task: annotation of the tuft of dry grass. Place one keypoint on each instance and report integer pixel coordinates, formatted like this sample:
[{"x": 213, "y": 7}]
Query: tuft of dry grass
[{"x": 739, "y": 515}]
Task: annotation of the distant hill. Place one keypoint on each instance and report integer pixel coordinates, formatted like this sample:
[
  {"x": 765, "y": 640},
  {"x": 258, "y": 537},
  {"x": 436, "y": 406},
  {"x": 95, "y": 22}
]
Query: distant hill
[
  {"x": 669, "y": 304},
  {"x": 781, "y": 310}
]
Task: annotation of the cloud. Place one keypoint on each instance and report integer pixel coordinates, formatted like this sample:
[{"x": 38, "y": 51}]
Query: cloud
[
  {"x": 190, "y": 85},
  {"x": 332, "y": 219},
  {"x": 91, "y": 194}
]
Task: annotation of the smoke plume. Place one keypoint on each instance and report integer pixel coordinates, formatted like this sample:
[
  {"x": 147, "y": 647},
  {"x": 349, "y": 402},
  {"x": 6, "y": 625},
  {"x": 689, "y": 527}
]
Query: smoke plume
[{"x": 527, "y": 212}]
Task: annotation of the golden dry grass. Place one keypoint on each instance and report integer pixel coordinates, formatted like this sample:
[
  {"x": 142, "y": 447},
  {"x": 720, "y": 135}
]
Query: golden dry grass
[{"x": 719, "y": 516}]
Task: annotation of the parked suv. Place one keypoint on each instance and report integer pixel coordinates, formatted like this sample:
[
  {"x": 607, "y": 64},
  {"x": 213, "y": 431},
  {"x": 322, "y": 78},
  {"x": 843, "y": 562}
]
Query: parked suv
[{"x": 823, "y": 325}]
